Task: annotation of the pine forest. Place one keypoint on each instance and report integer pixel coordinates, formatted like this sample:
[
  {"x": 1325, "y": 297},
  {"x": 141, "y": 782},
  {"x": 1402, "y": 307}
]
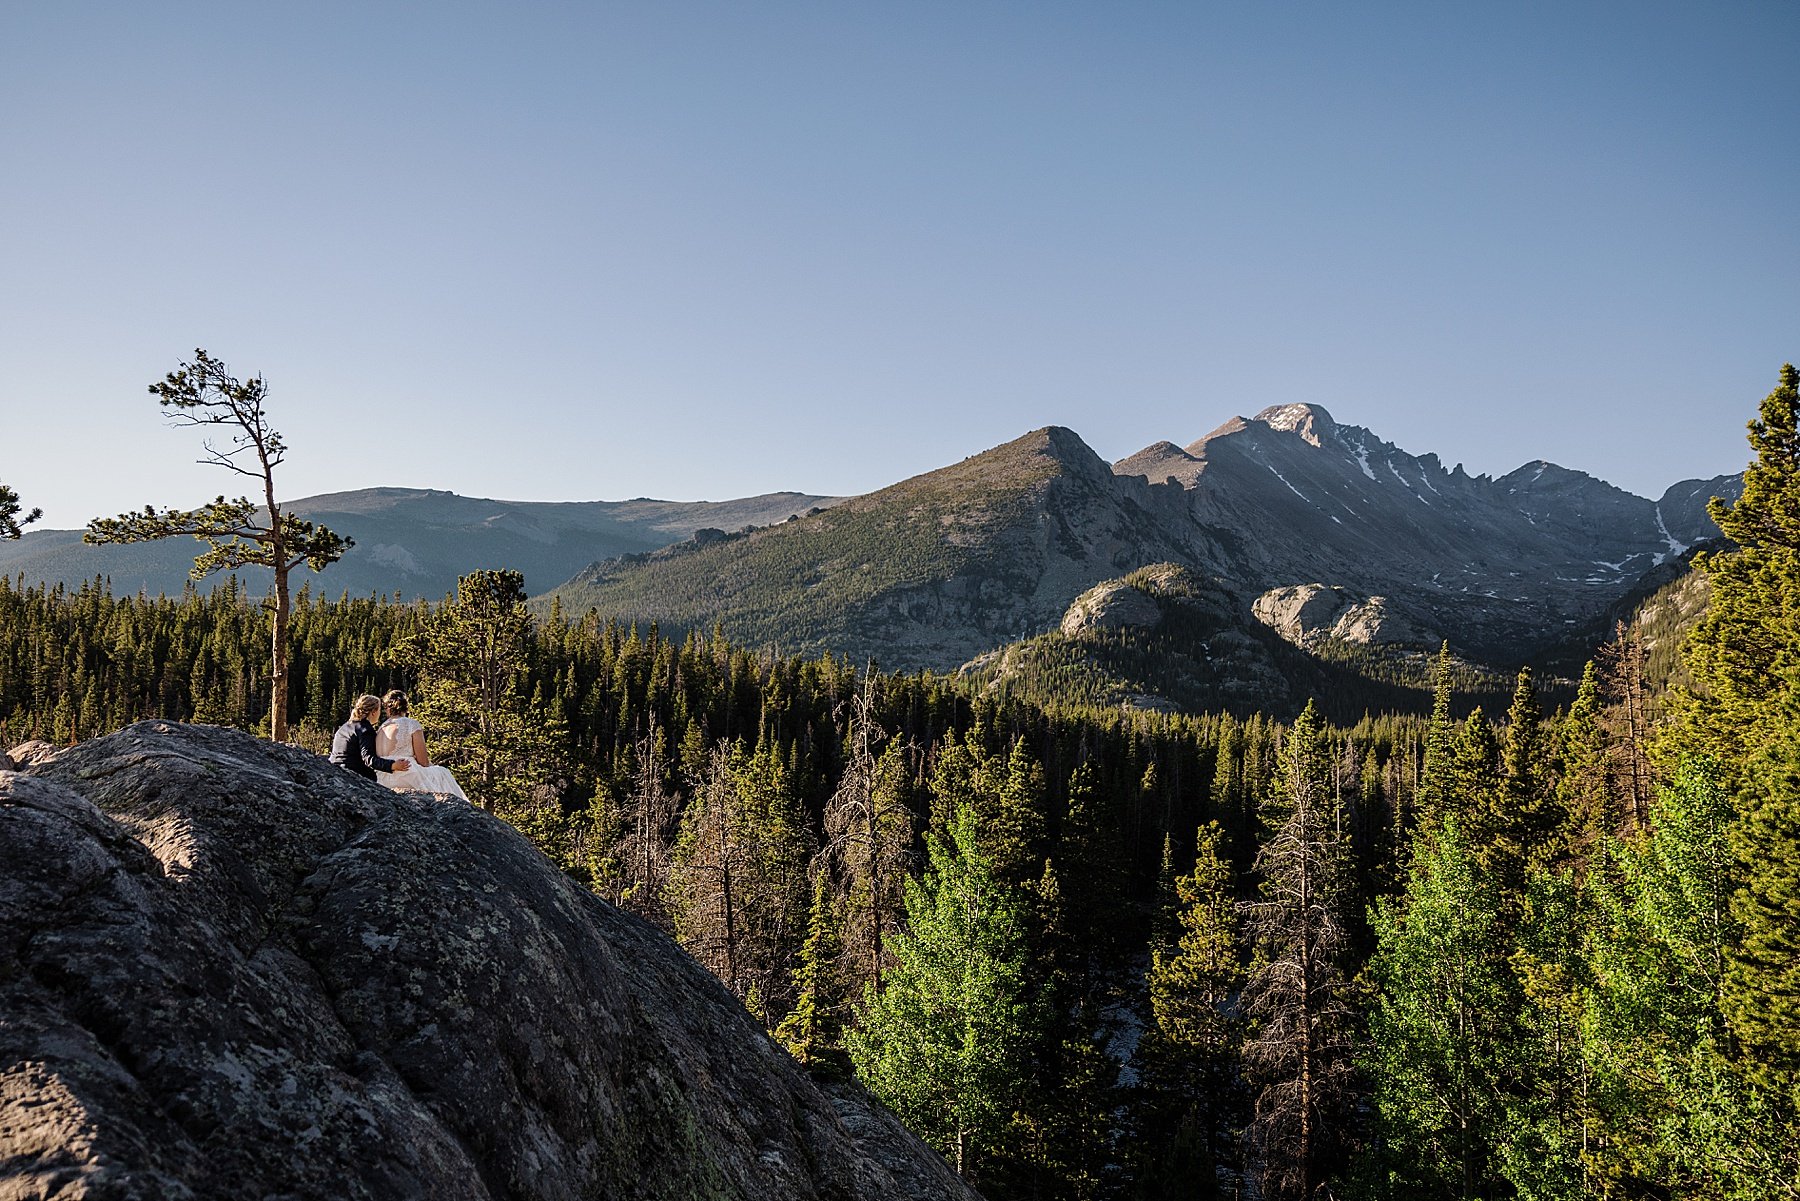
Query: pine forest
[{"x": 1547, "y": 948}]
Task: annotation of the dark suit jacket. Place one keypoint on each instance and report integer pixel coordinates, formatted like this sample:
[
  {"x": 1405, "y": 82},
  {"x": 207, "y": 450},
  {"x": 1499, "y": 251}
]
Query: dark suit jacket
[{"x": 353, "y": 746}]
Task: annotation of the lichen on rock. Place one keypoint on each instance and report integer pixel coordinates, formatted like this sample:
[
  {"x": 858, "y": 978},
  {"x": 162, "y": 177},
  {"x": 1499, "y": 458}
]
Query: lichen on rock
[{"x": 234, "y": 970}]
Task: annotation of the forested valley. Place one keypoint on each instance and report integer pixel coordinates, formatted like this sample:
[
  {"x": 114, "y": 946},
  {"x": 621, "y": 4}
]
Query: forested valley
[{"x": 1105, "y": 953}]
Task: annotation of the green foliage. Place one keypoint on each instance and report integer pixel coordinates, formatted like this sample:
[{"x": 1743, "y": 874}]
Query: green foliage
[
  {"x": 768, "y": 584},
  {"x": 868, "y": 827},
  {"x": 1762, "y": 989},
  {"x": 1299, "y": 1055},
  {"x": 1189, "y": 1051},
  {"x": 1549, "y": 1124},
  {"x": 1745, "y": 652},
  {"x": 1436, "y": 779},
  {"x": 237, "y": 533},
  {"x": 738, "y": 885},
  {"x": 1679, "y": 1111},
  {"x": 695, "y": 778},
  {"x": 234, "y": 533},
  {"x": 942, "y": 1043},
  {"x": 1767, "y": 516},
  {"x": 1584, "y": 795},
  {"x": 11, "y": 524},
  {"x": 1743, "y": 713},
  {"x": 812, "y": 1029},
  {"x": 1437, "y": 1049},
  {"x": 1524, "y": 762},
  {"x": 469, "y": 657},
  {"x": 74, "y": 664}
]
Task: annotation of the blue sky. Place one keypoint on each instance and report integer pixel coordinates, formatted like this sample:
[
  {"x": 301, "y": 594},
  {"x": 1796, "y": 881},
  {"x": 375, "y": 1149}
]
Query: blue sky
[{"x": 687, "y": 250}]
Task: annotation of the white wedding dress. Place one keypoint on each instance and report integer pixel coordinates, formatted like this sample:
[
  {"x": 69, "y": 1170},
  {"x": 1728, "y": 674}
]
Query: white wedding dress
[{"x": 394, "y": 740}]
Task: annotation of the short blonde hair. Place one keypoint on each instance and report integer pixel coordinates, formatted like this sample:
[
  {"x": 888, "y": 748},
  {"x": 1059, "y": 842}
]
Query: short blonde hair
[{"x": 365, "y": 703}]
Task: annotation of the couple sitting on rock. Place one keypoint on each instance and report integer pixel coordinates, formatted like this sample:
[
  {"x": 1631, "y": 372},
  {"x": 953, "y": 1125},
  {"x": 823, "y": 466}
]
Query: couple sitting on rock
[{"x": 393, "y": 754}]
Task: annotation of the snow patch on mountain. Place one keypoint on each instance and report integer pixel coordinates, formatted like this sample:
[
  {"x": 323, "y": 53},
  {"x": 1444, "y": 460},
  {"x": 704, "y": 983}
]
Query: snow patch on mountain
[
  {"x": 1676, "y": 546},
  {"x": 1291, "y": 487}
]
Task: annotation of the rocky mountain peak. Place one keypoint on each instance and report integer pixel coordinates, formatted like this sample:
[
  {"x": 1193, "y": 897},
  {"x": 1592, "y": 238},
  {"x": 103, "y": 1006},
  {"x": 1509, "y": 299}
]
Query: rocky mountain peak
[
  {"x": 996, "y": 547},
  {"x": 1067, "y": 448},
  {"x": 1310, "y": 421}
]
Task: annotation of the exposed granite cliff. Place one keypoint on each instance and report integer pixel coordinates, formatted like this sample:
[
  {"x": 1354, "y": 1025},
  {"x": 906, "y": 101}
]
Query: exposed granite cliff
[{"x": 232, "y": 970}]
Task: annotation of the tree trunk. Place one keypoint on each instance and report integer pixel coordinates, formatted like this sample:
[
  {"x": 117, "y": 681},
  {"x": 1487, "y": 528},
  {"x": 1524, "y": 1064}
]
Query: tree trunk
[
  {"x": 278, "y": 667},
  {"x": 278, "y": 560},
  {"x": 1306, "y": 1027}
]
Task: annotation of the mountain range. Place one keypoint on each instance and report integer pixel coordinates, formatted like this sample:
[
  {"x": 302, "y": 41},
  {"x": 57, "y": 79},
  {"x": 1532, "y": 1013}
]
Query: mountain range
[
  {"x": 1285, "y": 525},
  {"x": 1320, "y": 531},
  {"x": 418, "y": 541}
]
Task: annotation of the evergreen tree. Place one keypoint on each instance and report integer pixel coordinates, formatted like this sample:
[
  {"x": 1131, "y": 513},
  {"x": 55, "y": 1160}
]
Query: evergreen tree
[
  {"x": 813, "y": 1028},
  {"x": 471, "y": 656},
  {"x": 942, "y": 1044},
  {"x": 638, "y": 829},
  {"x": 11, "y": 524},
  {"x": 1096, "y": 877},
  {"x": 1438, "y": 769},
  {"x": 1014, "y": 825},
  {"x": 241, "y": 532},
  {"x": 1548, "y": 1129},
  {"x": 1525, "y": 763},
  {"x": 1058, "y": 1139},
  {"x": 1744, "y": 650},
  {"x": 775, "y": 913},
  {"x": 1228, "y": 792},
  {"x": 1584, "y": 797},
  {"x": 869, "y": 833},
  {"x": 1190, "y": 983},
  {"x": 1762, "y": 989},
  {"x": 1678, "y": 1113},
  {"x": 1299, "y": 1057},
  {"x": 1189, "y": 1051},
  {"x": 708, "y": 873},
  {"x": 1438, "y": 1062},
  {"x": 1744, "y": 657},
  {"x": 1627, "y": 719},
  {"x": 737, "y": 885}
]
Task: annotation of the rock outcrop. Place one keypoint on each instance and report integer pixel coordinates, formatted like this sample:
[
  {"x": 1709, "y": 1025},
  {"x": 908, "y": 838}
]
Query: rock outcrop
[
  {"x": 232, "y": 970},
  {"x": 1110, "y": 606},
  {"x": 1310, "y": 614}
]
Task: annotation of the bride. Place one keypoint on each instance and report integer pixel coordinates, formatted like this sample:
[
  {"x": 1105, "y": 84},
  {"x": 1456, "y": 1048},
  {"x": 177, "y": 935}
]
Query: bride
[{"x": 400, "y": 737}]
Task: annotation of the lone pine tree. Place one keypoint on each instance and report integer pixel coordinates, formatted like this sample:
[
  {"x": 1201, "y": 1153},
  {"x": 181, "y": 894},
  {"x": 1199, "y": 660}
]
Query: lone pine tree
[{"x": 241, "y": 532}]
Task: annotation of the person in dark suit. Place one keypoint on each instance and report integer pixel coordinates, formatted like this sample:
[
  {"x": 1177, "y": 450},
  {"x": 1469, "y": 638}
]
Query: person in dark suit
[{"x": 353, "y": 746}]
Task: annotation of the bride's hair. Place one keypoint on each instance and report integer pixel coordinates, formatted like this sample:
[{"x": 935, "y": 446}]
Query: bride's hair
[{"x": 395, "y": 700}]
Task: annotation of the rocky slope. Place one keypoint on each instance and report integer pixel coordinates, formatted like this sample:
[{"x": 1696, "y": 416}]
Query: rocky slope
[
  {"x": 1168, "y": 638},
  {"x": 232, "y": 970},
  {"x": 940, "y": 568},
  {"x": 417, "y": 542},
  {"x": 928, "y": 572},
  {"x": 1500, "y": 566}
]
